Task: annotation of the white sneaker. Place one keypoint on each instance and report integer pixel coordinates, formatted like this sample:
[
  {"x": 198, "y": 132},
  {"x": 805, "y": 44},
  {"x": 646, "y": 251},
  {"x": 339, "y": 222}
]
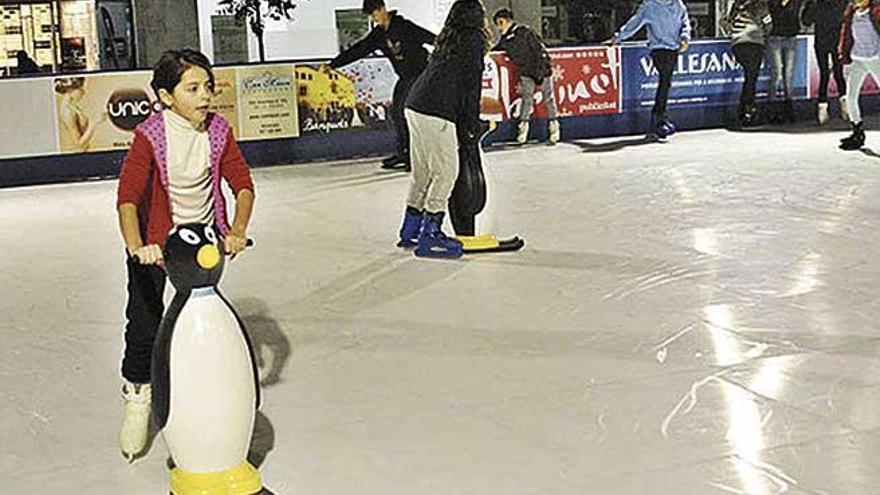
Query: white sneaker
[
  {"x": 133, "y": 434},
  {"x": 844, "y": 109},
  {"x": 823, "y": 113},
  {"x": 554, "y": 132},
  {"x": 523, "y": 134}
]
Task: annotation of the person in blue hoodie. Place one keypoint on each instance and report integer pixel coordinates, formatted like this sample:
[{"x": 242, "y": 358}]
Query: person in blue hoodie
[{"x": 669, "y": 32}]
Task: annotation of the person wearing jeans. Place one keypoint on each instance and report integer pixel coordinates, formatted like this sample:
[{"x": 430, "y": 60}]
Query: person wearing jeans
[
  {"x": 669, "y": 32},
  {"x": 748, "y": 24},
  {"x": 782, "y": 46}
]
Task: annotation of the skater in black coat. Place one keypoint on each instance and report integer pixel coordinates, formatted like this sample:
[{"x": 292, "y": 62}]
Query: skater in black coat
[
  {"x": 443, "y": 113},
  {"x": 403, "y": 43}
]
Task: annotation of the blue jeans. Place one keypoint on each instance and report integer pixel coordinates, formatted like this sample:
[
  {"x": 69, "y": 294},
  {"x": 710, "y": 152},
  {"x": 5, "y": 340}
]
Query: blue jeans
[{"x": 781, "y": 52}]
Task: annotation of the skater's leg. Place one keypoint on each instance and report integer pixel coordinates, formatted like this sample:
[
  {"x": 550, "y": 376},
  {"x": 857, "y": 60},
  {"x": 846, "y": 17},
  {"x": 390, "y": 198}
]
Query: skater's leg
[
  {"x": 549, "y": 96},
  {"x": 420, "y": 139},
  {"x": 398, "y": 119},
  {"x": 146, "y": 285},
  {"x": 143, "y": 312},
  {"x": 823, "y": 55},
  {"x": 527, "y": 91},
  {"x": 858, "y": 71},
  {"x": 664, "y": 62}
]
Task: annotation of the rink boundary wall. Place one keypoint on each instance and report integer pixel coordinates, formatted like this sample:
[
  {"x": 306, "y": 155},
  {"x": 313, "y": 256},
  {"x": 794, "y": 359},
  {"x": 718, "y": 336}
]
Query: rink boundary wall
[{"x": 630, "y": 117}]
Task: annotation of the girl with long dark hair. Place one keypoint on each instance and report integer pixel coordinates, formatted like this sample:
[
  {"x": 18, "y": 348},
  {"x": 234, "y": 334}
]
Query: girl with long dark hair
[{"x": 443, "y": 111}]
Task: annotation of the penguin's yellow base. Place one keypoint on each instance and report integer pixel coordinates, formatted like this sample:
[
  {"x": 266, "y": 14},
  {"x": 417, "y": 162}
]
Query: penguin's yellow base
[
  {"x": 478, "y": 243},
  {"x": 489, "y": 244},
  {"x": 243, "y": 479}
]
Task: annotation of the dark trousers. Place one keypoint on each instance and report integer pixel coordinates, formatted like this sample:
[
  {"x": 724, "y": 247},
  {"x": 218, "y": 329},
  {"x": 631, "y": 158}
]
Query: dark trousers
[
  {"x": 824, "y": 55},
  {"x": 401, "y": 91},
  {"x": 664, "y": 62},
  {"x": 750, "y": 56},
  {"x": 143, "y": 313}
]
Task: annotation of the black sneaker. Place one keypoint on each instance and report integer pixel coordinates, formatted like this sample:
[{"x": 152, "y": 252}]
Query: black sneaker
[
  {"x": 395, "y": 161},
  {"x": 856, "y": 140}
]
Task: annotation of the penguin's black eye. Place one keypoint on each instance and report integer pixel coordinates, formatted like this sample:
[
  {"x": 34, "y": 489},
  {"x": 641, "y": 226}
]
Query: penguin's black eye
[
  {"x": 189, "y": 237},
  {"x": 210, "y": 235}
]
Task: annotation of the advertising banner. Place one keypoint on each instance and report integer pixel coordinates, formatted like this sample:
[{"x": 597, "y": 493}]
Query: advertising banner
[
  {"x": 706, "y": 75},
  {"x": 356, "y": 96},
  {"x": 374, "y": 81},
  {"x": 100, "y": 112},
  {"x": 267, "y": 102},
  {"x": 586, "y": 81}
]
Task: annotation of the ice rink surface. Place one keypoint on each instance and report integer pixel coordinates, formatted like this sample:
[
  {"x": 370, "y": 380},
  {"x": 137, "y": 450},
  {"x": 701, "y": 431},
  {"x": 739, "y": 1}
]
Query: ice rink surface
[{"x": 692, "y": 318}]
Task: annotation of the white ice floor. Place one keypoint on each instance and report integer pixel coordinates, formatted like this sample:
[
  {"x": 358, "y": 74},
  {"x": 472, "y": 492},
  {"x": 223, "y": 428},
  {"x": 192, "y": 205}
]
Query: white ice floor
[{"x": 690, "y": 318}]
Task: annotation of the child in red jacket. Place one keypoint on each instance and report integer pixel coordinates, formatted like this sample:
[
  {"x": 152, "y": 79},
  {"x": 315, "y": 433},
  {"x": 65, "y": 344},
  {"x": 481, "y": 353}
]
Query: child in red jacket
[{"x": 171, "y": 176}]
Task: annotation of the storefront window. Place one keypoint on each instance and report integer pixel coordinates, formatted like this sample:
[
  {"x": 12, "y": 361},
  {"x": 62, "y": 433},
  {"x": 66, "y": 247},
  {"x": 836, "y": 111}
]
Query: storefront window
[
  {"x": 65, "y": 36},
  {"x": 579, "y": 22}
]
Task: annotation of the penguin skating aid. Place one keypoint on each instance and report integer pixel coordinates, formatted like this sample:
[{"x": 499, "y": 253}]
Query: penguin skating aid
[
  {"x": 205, "y": 391},
  {"x": 469, "y": 198}
]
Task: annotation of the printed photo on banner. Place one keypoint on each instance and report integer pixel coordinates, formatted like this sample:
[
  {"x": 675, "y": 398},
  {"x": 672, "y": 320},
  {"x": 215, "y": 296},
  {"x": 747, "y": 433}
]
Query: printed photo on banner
[
  {"x": 100, "y": 112},
  {"x": 586, "y": 82},
  {"x": 356, "y": 96},
  {"x": 325, "y": 99},
  {"x": 374, "y": 81},
  {"x": 267, "y": 102}
]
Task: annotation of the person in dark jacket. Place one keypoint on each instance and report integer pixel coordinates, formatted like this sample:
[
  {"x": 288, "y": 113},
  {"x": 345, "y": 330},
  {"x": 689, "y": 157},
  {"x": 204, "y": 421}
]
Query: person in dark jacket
[
  {"x": 403, "y": 43},
  {"x": 782, "y": 51},
  {"x": 26, "y": 64},
  {"x": 748, "y": 24},
  {"x": 443, "y": 112},
  {"x": 827, "y": 17},
  {"x": 525, "y": 48},
  {"x": 860, "y": 49}
]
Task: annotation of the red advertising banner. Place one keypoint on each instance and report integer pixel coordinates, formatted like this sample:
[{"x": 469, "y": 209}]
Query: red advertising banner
[{"x": 586, "y": 81}]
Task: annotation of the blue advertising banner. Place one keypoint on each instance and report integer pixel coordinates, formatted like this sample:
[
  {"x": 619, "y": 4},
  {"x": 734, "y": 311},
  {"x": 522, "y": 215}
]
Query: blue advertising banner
[{"x": 706, "y": 75}]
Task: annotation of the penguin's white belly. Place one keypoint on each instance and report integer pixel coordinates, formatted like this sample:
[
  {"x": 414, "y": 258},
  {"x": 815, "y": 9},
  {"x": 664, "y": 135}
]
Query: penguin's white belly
[{"x": 213, "y": 396}]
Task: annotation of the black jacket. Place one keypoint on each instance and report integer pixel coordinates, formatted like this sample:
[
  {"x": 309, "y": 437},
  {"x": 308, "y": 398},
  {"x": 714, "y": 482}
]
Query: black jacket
[
  {"x": 827, "y": 15},
  {"x": 786, "y": 20},
  {"x": 525, "y": 48},
  {"x": 403, "y": 43},
  {"x": 450, "y": 86}
]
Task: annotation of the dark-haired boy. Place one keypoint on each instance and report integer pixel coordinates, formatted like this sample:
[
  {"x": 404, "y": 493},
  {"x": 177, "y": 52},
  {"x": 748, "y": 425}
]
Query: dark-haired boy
[
  {"x": 525, "y": 48},
  {"x": 403, "y": 43}
]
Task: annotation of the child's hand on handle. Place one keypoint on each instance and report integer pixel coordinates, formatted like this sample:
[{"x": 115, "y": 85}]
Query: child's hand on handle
[
  {"x": 684, "y": 46},
  {"x": 235, "y": 243},
  {"x": 151, "y": 254}
]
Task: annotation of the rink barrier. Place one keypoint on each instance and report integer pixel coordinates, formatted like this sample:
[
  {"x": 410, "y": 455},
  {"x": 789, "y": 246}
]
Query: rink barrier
[{"x": 602, "y": 92}]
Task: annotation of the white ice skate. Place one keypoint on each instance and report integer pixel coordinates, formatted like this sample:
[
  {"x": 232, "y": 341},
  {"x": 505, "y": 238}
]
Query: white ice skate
[
  {"x": 133, "y": 434},
  {"x": 554, "y": 132},
  {"x": 523, "y": 133},
  {"x": 822, "y": 114}
]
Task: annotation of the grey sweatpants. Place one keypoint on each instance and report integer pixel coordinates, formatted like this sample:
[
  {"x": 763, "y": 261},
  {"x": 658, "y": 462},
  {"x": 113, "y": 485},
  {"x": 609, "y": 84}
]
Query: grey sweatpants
[
  {"x": 527, "y": 88},
  {"x": 433, "y": 152}
]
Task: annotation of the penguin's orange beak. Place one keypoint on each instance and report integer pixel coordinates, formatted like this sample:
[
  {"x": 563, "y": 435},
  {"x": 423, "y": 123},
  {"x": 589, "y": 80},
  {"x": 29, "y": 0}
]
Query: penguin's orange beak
[{"x": 208, "y": 256}]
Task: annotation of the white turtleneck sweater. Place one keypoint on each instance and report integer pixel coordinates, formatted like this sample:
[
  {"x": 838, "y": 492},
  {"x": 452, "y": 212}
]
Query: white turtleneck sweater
[{"x": 189, "y": 171}]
